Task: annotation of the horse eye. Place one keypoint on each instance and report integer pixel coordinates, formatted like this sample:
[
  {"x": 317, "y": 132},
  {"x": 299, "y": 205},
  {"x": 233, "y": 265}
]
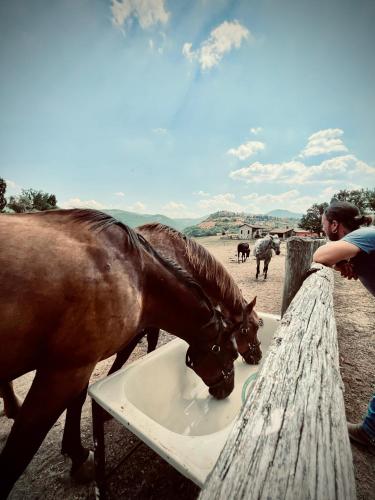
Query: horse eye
[{"x": 215, "y": 348}]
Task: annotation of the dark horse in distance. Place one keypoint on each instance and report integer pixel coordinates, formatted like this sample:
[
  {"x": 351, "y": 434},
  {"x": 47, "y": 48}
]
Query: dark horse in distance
[
  {"x": 244, "y": 250},
  {"x": 76, "y": 287}
]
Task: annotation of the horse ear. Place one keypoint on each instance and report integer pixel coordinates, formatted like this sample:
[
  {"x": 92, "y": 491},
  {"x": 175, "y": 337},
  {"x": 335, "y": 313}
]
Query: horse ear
[{"x": 250, "y": 306}]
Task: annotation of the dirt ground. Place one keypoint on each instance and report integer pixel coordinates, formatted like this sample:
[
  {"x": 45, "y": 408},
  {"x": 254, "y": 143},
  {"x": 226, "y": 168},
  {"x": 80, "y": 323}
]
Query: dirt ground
[{"x": 144, "y": 475}]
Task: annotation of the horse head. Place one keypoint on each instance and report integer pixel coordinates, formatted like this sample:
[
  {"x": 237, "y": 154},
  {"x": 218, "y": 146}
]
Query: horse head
[
  {"x": 276, "y": 244},
  {"x": 245, "y": 333},
  {"x": 212, "y": 360}
]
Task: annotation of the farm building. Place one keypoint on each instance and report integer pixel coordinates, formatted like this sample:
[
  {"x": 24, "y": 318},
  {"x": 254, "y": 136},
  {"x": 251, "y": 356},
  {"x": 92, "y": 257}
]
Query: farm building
[
  {"x": 249, "y": 231},
  {"x": 282, "y": 232}
]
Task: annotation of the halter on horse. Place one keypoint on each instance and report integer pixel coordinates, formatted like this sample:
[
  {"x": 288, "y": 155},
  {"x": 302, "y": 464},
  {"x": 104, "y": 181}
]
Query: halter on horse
[
  {"x": 76, "y": 287},
  {"x": 244, "y": 250},
  {"x": 263, "y": 251}
]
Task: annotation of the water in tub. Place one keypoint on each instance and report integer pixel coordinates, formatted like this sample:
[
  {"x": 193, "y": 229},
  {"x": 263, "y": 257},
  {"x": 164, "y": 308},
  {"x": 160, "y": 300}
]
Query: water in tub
[{"x": 175, "y": 397}]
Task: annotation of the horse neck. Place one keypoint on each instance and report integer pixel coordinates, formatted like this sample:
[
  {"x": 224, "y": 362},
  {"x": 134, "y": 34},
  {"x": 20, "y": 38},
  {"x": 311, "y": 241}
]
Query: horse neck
[
  {"x": 210, "y": 274},
  {"x": 215, "y": 281},
  {"x": 269, "y": 245},
  {"x": 171, "y": 304}
]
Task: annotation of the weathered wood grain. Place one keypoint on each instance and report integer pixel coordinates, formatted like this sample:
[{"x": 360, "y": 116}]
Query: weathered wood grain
[
  {"x": 297, "y": 262},
  {"x": 290, "y": 440}
]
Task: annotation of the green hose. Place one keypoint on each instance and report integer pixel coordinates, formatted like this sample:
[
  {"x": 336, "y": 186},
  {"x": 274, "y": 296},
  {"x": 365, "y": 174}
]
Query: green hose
[{"x": 248, "y": 381}]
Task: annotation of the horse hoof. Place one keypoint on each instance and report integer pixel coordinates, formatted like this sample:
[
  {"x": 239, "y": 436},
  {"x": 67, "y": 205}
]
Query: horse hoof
[{"x": 85, "y": 473}]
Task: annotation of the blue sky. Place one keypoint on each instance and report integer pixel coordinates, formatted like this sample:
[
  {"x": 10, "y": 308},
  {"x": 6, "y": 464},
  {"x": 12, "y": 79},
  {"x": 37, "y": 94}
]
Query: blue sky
[{"x": 185, "y": 108}]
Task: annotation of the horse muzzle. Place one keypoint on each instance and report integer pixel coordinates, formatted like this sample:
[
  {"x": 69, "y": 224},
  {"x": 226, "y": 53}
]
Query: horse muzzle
[
  {"x": 224, "y": 386},
  {"x": 253, "y": 355}
]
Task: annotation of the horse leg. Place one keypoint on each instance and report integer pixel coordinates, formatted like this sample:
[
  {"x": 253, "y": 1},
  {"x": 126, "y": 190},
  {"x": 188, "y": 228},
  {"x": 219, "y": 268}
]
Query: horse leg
[
  {"x": 258, "y": 266},
  {"x": 51, "y": 392},
  {"x": 82, "y": 462},
  {"x": 123, "y": 355},
  {"x": 152, "y": 338},
  {"x": 12, "y": 403},
  {"x": 265, "y": 269}
]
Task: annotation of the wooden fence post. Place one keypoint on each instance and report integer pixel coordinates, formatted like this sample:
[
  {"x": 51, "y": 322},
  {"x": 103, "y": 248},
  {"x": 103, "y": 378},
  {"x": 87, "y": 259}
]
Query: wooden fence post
[{"x": 299, "y": 253}]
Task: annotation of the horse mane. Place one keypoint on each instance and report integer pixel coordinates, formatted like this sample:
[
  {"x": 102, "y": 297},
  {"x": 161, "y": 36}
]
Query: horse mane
[
  {"x": 204, "y": 264},
  {"x": 100, "y": 221}
]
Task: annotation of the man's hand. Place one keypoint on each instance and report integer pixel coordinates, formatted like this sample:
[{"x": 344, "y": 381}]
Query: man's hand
[{"x": 346, "y": 269}]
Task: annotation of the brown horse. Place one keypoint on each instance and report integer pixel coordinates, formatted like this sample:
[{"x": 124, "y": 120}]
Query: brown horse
[
  {"x": 215, "y": 281},
  {"x": 77, "y": 286}
]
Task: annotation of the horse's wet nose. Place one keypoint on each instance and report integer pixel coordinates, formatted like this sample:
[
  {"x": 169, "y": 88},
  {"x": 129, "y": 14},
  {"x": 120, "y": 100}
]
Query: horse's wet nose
[
  {"x": 223, "y": 390},
  {"x": 252, "y": 358}
]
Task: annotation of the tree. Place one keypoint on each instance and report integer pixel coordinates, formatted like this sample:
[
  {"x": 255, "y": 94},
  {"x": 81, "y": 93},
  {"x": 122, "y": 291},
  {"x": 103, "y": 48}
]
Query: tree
[
  {"x": 364, "y": 199},
  {"x": 3, "y": 188},
  {"x": 31, "y": 200},
  {"x": 311, "y": 221}
]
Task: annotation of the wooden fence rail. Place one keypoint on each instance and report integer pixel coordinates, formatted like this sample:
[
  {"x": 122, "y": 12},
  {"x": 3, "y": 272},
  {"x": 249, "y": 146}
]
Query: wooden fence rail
[{"x": 290, "y": 440}]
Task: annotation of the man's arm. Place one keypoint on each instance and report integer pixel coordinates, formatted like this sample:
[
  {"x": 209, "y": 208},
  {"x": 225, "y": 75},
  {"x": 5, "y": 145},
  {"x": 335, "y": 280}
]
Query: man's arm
[{"x": 334, "y": 252}]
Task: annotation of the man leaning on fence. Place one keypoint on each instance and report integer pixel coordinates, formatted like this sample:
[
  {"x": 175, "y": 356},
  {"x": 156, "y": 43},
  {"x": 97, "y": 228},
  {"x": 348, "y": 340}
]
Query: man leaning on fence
[{"x": 351, "y": 251}]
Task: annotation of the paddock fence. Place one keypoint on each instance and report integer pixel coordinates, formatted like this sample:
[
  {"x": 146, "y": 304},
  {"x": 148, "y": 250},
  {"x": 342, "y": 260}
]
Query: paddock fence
[{"x": 290, "y": 440}]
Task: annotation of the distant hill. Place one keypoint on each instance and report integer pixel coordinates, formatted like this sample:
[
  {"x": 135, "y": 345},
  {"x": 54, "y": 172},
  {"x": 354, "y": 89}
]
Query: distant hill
[
  {"x": 133, "y": 219},
  {"x": 284, "y": 214},
  {"x": 218, "y": 222},
  {"x": 224, "y": 222}
]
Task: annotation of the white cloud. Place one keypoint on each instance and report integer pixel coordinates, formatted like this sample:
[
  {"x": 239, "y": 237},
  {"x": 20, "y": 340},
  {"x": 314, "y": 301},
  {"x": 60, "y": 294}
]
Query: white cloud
[
  {"x": 324, "y": 142},
  {"x": 223, "y": 39},
  {"x": 159, "y": 44},
  {"x": 273, "y": 198},
  {"x": 289, "y": 200},
  {"x": 173, "y": 205},
  {"x": 220, "y": 202},
  {"x": 12, "y": 188},
  {"x": 78, "y": 203},
  {"x": 338, "y": 169},
  {"x": 341, "y": 168},
  {"x": 201, "y": 193},
  {"x": 119, "y": 193},
  {"x": 248, "y": 149},
  {"x": 268, "y": 172},
  {"x": 137, "y": 207},
  {"x": 147, "y": 12},
  {"x": 187, "y": 52},
  {"x": 177, "y": 210},
  {"x": 160, "y": 131},
  {"x": 256, "y": 130},
  {"x": 363, "y": 167}
]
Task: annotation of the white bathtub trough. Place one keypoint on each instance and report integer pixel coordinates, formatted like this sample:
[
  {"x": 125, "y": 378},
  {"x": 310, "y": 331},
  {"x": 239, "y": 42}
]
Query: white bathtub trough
[{"x": 168, "y": 407}]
